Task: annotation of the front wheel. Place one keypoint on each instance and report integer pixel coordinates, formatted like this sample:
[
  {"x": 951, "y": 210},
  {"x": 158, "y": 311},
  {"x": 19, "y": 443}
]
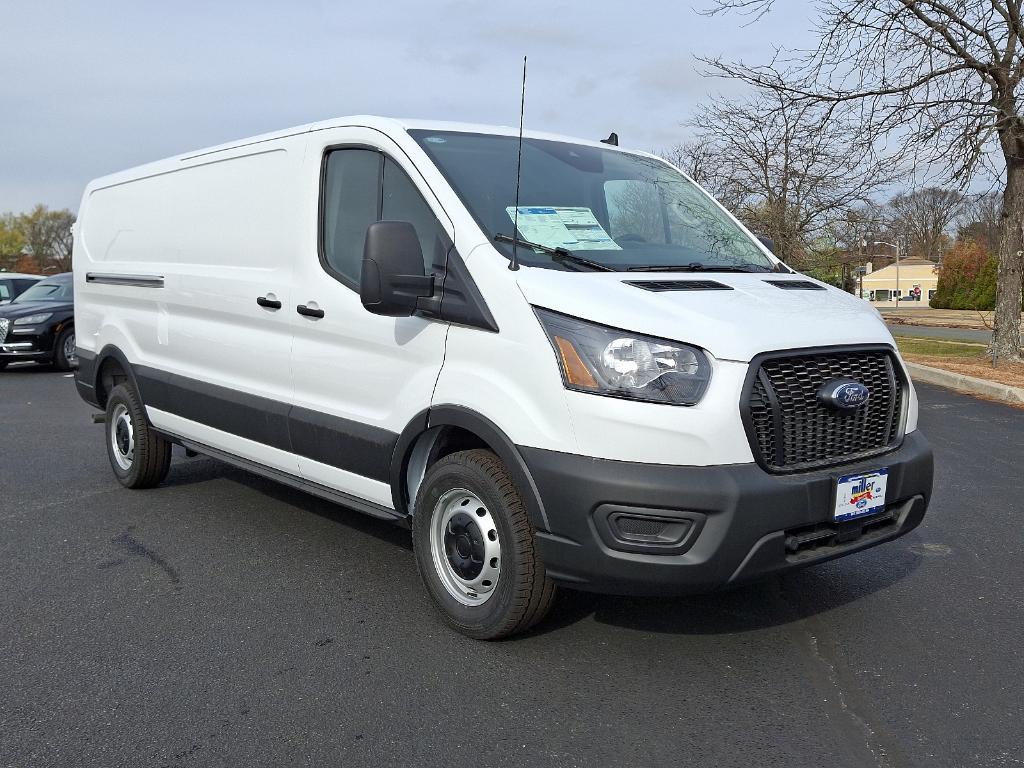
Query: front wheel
[
  {"x": 139, "y": 456},
  {"x": 64, "y": 353},
  {"x": 475, "y": 548}
]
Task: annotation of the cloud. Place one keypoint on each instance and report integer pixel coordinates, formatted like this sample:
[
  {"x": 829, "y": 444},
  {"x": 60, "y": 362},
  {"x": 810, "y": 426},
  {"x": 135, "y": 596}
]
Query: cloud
[{"x": 118, "y": 83}]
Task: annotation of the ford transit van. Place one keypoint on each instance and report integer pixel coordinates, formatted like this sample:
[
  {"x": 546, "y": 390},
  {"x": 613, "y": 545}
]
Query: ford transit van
[{"x": 595, "y": 379}]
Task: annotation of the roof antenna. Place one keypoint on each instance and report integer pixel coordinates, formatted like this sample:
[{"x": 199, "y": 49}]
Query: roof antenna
[
  {"x": 613, "y": 139},
  {"x": 514, "y": 264}
]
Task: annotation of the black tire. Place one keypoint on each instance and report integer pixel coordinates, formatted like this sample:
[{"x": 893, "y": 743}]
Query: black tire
[
  {"x": 522, "y": 593},
  {"x": 60, "y": 358},
  {"x": 146, "y": 464}
]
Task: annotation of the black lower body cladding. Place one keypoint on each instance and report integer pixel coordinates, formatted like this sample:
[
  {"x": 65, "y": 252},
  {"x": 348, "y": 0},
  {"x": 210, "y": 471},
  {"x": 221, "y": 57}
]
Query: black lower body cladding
[{"x": 696, "y": 529}]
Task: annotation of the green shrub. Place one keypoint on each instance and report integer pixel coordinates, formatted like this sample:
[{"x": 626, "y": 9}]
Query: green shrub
[{"x": 967, "y": 279}]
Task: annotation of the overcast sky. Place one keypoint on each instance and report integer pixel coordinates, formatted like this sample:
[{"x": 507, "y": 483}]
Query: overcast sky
[{"x": 87, "y": 88}]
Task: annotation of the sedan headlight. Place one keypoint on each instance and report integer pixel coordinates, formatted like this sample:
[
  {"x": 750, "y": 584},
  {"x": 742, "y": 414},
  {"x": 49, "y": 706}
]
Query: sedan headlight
[
  {"x": 42, "y": 317},
  {"x": 606, "y": 361}
]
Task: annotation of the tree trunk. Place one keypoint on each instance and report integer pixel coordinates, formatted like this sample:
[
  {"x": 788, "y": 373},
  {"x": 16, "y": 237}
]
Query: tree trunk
[{"x": 1006, "y": 329}]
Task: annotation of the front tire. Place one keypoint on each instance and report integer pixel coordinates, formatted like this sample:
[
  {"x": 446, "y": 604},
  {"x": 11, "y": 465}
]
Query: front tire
[
  {"x": 64, "y": 354},
  {"x": 139, "y": 456},
  {"x": 475, "y": 548}
]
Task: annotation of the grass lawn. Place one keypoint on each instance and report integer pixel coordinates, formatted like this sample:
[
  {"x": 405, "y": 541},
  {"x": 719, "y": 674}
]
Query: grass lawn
[
  {"x": 960, "y": 357},
  {"x": 938, "y": 348}
]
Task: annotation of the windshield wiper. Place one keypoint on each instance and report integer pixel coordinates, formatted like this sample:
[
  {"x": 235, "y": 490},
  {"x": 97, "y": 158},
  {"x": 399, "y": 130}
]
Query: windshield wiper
[
  {"x": 556, "y": 253},
  {"x": 694, "y": 267}
]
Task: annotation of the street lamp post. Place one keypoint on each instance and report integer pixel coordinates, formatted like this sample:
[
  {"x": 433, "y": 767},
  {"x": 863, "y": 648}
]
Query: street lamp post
[{"x": 897, "y": 247}]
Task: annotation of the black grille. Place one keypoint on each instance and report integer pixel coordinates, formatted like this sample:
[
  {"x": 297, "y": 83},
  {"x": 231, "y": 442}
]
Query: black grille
[
  {"x": 4, "y": 324},
  {"x": 679, "y": 285},
  {"x": 792, "y": 430},
  {"x": 639, "y": 526},
  {"x": 796, "y": 285}
]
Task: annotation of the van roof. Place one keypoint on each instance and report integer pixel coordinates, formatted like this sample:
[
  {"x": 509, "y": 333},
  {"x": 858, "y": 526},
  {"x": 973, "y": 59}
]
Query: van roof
[{"x": 384, "y": 124}]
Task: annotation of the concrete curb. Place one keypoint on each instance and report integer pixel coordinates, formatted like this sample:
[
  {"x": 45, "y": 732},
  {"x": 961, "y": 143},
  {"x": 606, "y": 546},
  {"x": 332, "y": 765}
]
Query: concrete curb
[{"x": 969, "y": 384}]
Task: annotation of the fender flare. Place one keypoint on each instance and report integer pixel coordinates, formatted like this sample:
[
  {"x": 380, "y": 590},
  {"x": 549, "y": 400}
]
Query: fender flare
[
  {"x": 107, "y": 353},
  {"x": 488, "y": 432}
]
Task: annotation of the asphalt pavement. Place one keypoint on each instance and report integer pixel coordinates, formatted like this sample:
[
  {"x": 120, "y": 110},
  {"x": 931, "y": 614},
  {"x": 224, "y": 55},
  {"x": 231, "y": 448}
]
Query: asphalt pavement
[{"x": 225, "y": 620}]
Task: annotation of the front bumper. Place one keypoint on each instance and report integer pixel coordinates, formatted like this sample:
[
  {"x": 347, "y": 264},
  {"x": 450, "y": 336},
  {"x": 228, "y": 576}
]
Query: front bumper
[
  {"x": 34, "y": 346},
  {"x": 24, "y": 352},
  {"x": 734, "y": 523}
]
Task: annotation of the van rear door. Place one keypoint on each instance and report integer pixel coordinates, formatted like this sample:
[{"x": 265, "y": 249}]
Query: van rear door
[{"x": 360, "y": 378}]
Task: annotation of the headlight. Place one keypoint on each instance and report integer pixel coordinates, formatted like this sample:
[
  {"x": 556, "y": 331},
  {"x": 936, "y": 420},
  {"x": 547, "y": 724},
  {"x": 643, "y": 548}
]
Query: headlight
[
  {"x": 606, "y": 361},
  {"x": 42, "y": 317}
]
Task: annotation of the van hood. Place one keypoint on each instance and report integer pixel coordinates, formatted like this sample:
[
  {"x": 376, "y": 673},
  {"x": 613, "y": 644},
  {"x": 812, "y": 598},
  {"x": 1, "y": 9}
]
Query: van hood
[{"x": 749, "y": 317}]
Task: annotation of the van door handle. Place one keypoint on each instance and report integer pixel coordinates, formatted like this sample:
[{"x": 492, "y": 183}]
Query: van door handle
[
  {"x": 305, "y": 311},
  {"x": 263, "y": 301}
]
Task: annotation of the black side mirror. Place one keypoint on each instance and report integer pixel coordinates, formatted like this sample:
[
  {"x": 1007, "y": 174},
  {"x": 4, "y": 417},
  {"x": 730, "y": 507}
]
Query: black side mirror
[
  {"x": 393, "y": 279},
  {"x": 767, "y": 242}
]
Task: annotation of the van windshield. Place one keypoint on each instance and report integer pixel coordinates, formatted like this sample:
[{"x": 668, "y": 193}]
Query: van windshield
[{"x": 617, "y": 210}]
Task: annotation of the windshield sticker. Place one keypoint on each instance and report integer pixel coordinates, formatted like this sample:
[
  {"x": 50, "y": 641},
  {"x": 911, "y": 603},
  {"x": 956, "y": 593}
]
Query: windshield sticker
[{"x": 575, "y": 229}]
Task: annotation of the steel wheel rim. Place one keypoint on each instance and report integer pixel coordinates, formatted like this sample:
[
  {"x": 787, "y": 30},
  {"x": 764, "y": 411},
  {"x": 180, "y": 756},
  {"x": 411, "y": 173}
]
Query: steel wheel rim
[
  {"x": 465, "y": 547},
  {"x": 122, "y": 437},
  {"x": 69, "y": 349}
]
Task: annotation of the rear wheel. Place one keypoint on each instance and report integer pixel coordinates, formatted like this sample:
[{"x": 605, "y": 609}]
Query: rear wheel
[
  {"x": 139, "y": 456},
  {"x": 64, "y": 354},
  {"x": 475, "y": 548}
]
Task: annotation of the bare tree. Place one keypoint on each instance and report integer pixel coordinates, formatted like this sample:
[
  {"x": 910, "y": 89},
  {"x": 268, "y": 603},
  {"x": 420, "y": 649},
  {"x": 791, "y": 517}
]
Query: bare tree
[
  {"x": 924, "y": 216},
  {"x": 787, "y": 170},
  {"x": 940, "y": 79},
  {"x": 697, "y": 158},
  {"x": 979, "y": 220}
]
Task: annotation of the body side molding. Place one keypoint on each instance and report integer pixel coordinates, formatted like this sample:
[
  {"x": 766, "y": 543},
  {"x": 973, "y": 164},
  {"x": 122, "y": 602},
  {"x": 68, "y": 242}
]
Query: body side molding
[{"x": 322, "y": 491}]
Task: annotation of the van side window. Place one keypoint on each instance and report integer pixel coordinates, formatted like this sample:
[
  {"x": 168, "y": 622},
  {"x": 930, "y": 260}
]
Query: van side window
[
  {"x": 351, "y": 204},
  {"x": 403, "y": 202}
]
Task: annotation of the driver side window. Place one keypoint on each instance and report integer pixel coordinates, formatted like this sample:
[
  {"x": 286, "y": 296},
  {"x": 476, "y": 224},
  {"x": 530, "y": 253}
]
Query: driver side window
[{"x": 360, "y": 187}]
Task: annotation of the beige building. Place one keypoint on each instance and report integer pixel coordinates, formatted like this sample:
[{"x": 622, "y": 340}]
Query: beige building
[{"x": 912, "y": 277}]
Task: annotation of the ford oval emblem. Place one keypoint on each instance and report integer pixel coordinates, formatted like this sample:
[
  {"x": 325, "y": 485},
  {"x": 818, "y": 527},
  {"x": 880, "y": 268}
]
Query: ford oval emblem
[{"x": 843, "y": 394}]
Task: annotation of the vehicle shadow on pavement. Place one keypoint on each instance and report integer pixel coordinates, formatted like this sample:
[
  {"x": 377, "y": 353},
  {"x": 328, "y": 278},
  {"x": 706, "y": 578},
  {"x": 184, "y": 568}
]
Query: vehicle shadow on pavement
[
  {"x": 770, "y": 602},
  {"x": 203, "y": 469},
  {"x": 29, "y": 368}
]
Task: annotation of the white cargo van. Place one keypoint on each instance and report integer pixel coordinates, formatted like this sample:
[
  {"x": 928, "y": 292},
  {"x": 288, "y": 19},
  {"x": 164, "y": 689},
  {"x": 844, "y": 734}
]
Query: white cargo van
[{"x": 631, "y": 396}]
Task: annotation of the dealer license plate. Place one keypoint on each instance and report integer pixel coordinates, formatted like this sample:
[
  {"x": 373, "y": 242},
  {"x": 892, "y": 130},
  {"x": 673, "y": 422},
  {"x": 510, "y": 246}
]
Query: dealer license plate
[{"x": 860, "y": 495}]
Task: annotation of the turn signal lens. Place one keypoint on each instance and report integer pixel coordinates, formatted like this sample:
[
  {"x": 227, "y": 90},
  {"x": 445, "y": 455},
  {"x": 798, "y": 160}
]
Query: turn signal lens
[{"x": 576, "y": 372}]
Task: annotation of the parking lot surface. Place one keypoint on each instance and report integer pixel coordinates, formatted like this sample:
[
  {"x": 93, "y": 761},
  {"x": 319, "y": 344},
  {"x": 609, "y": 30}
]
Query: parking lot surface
[{"x": 222, "y": 619}]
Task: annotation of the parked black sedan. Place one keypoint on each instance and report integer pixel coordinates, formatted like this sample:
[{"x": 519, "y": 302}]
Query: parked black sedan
[{"x": 39, "y": 325}]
